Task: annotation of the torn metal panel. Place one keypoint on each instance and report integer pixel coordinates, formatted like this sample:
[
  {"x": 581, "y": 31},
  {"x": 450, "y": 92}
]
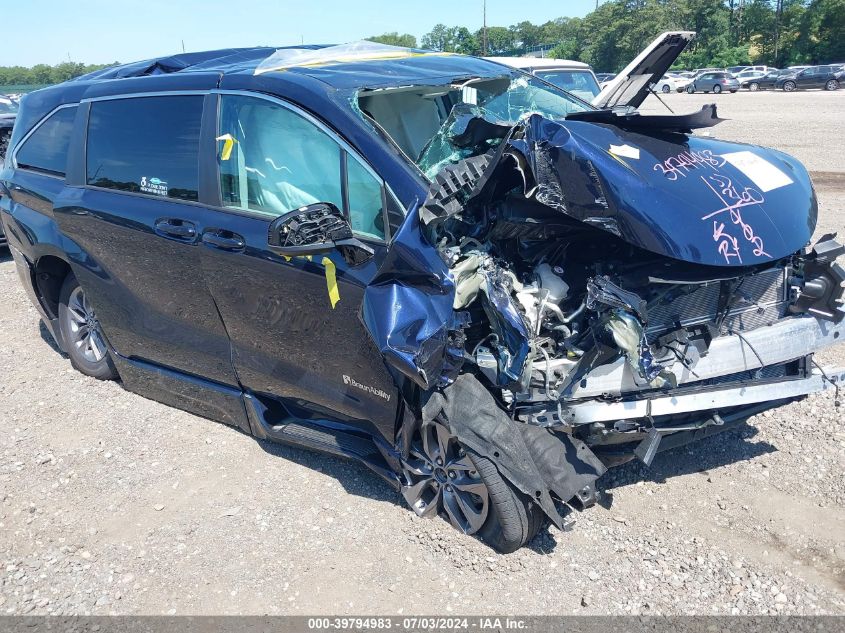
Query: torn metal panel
[
  {"x": 536, "y": 461},
  {"x": 408, "y": 307},
  {"x": 783, "y": 341},
  {"x": 574, "y": 271}
]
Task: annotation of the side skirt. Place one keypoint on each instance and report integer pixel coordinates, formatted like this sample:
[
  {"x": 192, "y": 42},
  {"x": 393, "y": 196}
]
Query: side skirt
[
  {"x": 324, "y": 436},
  {"x": 231, "y": 406},
  {"x": 205, "y": 398}
]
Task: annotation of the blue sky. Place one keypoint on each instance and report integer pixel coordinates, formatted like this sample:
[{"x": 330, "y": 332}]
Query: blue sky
[{"x": 99, "y": 31}]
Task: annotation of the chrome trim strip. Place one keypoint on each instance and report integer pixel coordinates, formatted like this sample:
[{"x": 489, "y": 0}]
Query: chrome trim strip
[
  {"x": 139, "y": 95},
  {"x": 594, "y": 411},
  {"x": 781, "y": 342}
]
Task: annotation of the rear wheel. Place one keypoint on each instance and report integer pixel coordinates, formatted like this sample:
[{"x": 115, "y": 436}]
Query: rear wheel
[
  {"x": 717, "y": 89},
  {"x": 788, "y": 86},
  {"x": 690, "y": 89},
  {"x": 665, "y": 89},
  {"x": 753, "y": 86},
  {"x": 83, "y": 337},
  {"x": 831, "y": 85},
  {"x": 442, "y": 478}
]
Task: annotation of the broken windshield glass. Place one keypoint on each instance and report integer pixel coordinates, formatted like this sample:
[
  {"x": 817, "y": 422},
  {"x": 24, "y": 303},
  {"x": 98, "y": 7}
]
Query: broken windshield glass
[{"x": 440, "y": 125}]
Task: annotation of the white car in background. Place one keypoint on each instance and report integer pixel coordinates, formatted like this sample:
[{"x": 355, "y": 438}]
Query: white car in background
[
  {"x": 576, "y": 78},
  {"x": 670, "y": 82}
]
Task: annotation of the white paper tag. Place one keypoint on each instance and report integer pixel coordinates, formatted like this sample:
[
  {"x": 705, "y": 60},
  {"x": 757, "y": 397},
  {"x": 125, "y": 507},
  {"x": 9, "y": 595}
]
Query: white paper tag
[
  {"x": 625, "y": 151},
  {"x": 762, "y": 173}
]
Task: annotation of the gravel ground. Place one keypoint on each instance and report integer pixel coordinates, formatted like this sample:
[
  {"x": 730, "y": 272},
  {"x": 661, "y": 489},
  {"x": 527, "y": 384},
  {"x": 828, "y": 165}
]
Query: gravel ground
[{"x": 110, "y": 503}]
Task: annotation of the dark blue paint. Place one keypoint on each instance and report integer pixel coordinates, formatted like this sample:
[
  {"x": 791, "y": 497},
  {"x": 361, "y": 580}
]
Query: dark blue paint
[
  {"x": 408, "y": 306},
  {"x": 662, "y": 211}
]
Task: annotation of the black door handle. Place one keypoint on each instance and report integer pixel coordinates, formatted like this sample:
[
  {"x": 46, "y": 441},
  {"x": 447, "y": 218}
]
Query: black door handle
[
  {"x": 178, "y": 229},
  {"x": 223, "y": 239}
]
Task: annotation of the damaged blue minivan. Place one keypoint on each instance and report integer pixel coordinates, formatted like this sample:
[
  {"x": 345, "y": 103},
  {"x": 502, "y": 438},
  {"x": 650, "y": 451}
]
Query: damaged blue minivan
[{"x": 483, "y": 288}]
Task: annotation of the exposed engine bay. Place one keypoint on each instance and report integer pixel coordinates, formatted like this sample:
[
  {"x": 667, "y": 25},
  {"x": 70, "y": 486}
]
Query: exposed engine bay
[{"x": 610, "y": 280}]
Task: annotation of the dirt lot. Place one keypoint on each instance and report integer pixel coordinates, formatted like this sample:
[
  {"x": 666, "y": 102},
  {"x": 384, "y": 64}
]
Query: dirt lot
[{"x": 110, "y": 503}]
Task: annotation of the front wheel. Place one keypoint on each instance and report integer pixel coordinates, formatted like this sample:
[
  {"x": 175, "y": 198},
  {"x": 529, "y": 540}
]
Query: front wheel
[
  {"x": 788, "y": 86},
  {"x": 717, "y": 89},
  {"x": 754, "y": 87},
  {"x": 83, "y": 337},
  {"x": 690, "y": 90},
  {"x": 665, "y": 89},
  {"x": 443, "y": 478},
  {"x": 832, "y": 85}
]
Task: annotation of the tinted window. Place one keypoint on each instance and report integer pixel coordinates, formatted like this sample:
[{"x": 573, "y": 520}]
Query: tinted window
[
  {"x": 46, "y": 149},
  {"x": 146, "y": 145}
]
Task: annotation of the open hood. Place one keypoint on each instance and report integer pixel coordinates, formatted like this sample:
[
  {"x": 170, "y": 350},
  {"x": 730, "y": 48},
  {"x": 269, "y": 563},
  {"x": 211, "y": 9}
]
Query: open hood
[{"x": 631, "y": 86}]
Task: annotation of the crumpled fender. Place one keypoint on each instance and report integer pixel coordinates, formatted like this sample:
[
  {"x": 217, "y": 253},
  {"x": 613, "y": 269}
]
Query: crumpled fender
[
  {"x": 535, "y": 460},
  {"x": 407, "y": 308}
]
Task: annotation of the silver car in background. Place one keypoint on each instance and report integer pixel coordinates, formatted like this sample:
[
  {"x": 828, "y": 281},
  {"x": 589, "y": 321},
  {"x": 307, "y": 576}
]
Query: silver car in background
[{"x": 714, "y": 82}]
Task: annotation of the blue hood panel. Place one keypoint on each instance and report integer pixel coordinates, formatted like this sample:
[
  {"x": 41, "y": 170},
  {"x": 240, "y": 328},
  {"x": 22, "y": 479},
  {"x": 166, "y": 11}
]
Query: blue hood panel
[{"x": 691, "y": 198}]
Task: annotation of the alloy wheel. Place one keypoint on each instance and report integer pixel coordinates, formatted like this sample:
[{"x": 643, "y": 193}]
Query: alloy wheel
[
  {"x": 753, "y": 87},
  {"x": 665, "y": 89},
  {"x": 831, "y": 85},
  {"x": 717, "y": 89},
  {"x": 441, "y": 479},
  {"x": 86, "y": 335},
  {"x": 789, "y": 86}
]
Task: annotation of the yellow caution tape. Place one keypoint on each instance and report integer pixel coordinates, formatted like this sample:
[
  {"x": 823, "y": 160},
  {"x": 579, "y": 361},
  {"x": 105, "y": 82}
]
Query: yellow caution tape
[
  {"x": 331, "y": 281},
  {"x": 228, "y": 143}
]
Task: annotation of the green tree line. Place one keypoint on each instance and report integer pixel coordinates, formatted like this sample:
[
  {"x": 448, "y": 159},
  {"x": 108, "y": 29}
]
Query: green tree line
[
  {"x": 773, "y": 32},
  {"x": 730, "y": 32},
  {"x": 43, "y": 74}
]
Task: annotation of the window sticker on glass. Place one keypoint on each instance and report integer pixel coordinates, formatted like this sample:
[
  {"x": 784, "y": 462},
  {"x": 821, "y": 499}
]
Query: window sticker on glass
[{"x": 154, "y": 186}]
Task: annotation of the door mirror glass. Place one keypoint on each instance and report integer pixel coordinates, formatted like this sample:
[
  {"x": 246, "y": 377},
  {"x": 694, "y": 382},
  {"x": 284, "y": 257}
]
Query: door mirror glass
[{"x": 316, "y": 228}]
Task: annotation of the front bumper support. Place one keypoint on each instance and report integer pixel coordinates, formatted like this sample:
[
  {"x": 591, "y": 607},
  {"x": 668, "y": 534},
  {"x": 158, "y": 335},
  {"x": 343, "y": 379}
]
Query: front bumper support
[
  {"x": 781, "y": 342},
  {"x": 598, "y": 411}
]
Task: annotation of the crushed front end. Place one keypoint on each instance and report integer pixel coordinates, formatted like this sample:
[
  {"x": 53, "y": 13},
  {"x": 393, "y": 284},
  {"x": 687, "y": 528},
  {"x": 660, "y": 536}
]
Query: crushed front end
[{"x": 621, "y": 287}]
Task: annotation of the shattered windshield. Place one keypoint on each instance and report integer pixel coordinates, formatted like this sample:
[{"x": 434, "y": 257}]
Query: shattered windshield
[{"x": 440, "y": 125}]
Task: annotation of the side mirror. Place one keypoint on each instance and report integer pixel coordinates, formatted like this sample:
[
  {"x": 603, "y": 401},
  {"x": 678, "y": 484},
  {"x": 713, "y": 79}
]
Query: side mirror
[{"x": 316, "y": 228}]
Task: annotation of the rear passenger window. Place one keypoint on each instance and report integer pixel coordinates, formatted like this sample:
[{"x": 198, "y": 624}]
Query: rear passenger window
[
  {"x": 146, "y": 145},
  {"x": 46, "y": 149}
]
